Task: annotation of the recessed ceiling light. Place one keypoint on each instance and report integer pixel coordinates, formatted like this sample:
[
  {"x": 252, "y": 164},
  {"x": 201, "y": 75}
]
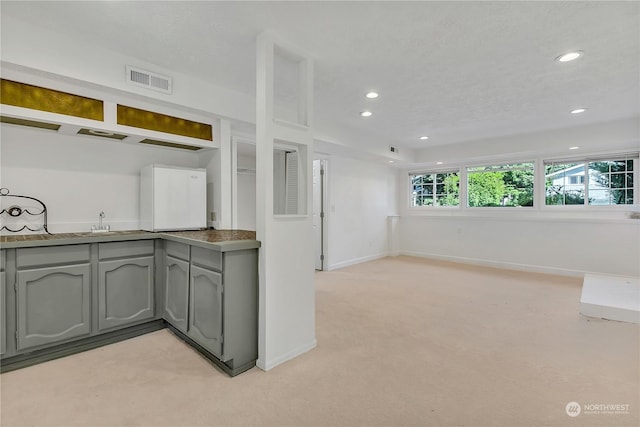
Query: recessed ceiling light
[
  {"x": 372, "y": 95},
  {"x": 578, "y": 110},
  {"x": 574, "y": 148},
  {"x": 570, "y": 56},
  {"x": 390, "y": 161},
  {"x": 366, "y": 114},
  {"x": 438, "y": 163},
  {"x": 424, "y": 138}
]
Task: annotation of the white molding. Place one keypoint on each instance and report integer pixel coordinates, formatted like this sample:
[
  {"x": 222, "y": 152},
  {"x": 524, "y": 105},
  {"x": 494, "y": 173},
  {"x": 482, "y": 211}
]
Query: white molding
[
  {"x": 291, "y": 124},
  {"x": 266, "y": 366},
  {"x": 464, "y": 260},
  {"x": 523, "y": 217},
  {"x": 529, "y": 268},
  {"x": 355, "y": 261}
]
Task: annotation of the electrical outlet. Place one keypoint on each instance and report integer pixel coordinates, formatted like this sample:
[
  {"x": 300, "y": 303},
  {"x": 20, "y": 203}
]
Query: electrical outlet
[{"x": 212, "y": 215}]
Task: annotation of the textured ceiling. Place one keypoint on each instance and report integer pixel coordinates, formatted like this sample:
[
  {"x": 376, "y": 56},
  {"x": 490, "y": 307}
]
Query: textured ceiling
[{"x": 456, "y": 71}]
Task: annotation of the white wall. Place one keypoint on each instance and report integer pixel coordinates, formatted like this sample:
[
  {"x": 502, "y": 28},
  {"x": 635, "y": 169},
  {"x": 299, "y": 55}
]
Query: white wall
[
  {"x": 79, "y": 176},
  {"x": 357, "y": 226},
  {"x": 246, "y": 193},
  {"x": 566, "y": 240},
  {"x": 361, "y": 196},
  {"x": 562, "y": 246}
]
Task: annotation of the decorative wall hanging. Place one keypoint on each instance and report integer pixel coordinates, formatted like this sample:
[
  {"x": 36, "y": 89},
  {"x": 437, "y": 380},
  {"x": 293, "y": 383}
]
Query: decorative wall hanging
[{"x": 18, "y": 209}]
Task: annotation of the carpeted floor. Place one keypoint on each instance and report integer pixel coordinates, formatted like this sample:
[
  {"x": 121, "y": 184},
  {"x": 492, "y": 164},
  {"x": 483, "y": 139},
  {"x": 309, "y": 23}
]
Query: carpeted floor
[{"x": 401, "y": 342}]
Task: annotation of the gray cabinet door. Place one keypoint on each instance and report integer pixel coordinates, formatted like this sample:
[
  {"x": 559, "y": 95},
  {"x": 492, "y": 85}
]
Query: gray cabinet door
[
  {"x": 176, "y": 297},
  {"x": 125, "y": 291},
  {"x": 53, "y": 304},
  {"x": 3, "y": 314},
  {"x": 205, "y": 315}
]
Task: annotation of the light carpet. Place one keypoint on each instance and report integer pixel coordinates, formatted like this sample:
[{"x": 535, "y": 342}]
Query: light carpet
[{"x": 401, "y": 342}]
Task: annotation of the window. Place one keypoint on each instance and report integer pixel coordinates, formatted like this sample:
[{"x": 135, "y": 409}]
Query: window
[
  {"x": 508, "y": 185},
  {"x": 435, "y": 189},
  {"x": 591, "y": 182},
  {"x": 576, "y": 179}
]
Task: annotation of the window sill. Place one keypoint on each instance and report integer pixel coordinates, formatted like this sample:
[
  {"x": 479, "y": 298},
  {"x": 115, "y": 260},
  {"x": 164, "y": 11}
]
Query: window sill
[{"x": 615, "y": 216}]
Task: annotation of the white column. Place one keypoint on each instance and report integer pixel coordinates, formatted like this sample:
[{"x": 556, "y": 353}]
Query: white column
[
  {"x": 219, "y": 180},
  {"x": 234, "y": 183},
  {"x": 286, "y": 267},
  {"x": 225, "y": 206}
]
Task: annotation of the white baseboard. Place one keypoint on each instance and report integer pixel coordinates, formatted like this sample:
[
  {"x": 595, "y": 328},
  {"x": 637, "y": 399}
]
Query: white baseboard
[
  {"x": 270, "y": 364},
  {"x": 356, "y": 261},
  {"x": 499, "y": 264}
]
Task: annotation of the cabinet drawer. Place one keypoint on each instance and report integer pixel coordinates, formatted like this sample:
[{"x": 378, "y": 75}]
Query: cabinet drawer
[
  {"x": 177, "y": 250},
  {"x": 125, "y": 249},
  {"x": 30, "y": 257},
  {"x": 206, "y": 258}
]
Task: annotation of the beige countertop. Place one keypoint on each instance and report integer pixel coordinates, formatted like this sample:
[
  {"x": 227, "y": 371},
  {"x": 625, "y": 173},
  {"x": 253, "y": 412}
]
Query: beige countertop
[
  {"x": 214, "y": 236},
  {"x": 223, "y": 240}
]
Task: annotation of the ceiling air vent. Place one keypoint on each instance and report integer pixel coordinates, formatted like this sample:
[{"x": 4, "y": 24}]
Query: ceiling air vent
[{"x": 148, "y": 79}]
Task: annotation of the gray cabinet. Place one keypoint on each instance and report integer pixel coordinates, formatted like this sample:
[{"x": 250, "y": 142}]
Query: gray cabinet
[
  {"x": 125, "y": 286},
  {"x": 205, "y": 314},
  {"x": 240, "y": 309},
  {"x": 52, "y": 295},
  {"x": 223, "y": 306},
  {"x": 176, "y": 296},
  {"x": 60, "y": 298},
  {"x": 53, "y": 304}
]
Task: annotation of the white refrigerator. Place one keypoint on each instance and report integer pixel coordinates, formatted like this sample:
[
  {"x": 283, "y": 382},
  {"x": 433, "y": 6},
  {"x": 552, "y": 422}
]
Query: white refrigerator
[{"x": 172, "y": 198}]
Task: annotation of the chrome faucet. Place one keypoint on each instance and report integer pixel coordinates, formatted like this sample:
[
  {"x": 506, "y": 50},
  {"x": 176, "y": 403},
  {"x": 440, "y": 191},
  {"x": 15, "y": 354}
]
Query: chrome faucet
[{"x": 100, "y": 228}]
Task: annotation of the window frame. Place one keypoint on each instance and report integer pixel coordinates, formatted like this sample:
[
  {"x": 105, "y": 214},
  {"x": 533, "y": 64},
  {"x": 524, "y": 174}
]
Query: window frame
[
  {"x": 635, "y": 157},
  {"x": 434, "y": 172},
  {"x": 540, "y": 209},
  {"x": 498, "y": 163}
]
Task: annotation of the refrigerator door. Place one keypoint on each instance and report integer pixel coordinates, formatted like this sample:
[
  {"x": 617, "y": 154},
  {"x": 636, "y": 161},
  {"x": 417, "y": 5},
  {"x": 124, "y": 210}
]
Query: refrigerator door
[{"x": 179, "y": 199}]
